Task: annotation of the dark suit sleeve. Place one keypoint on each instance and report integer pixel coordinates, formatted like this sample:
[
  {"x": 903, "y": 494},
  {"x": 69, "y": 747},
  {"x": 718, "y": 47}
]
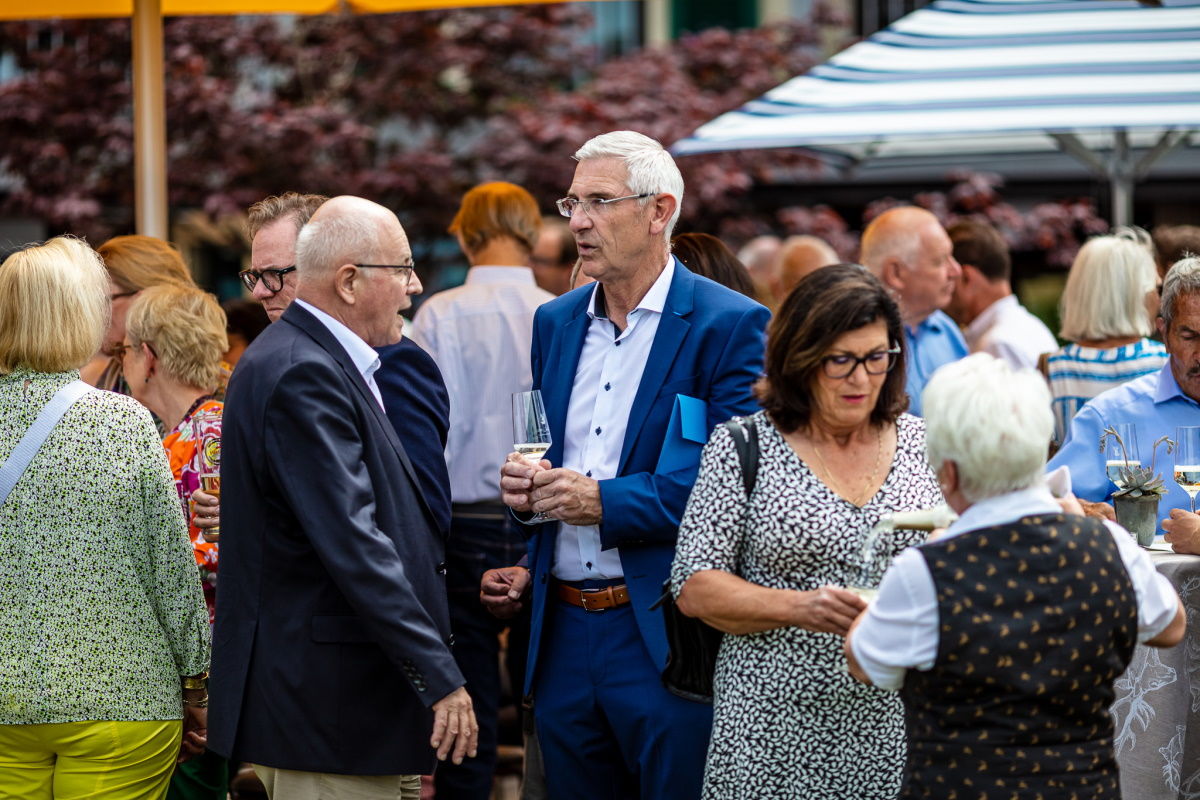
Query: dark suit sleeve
[
  {"x": 646, "y": 507},
  {"x": 313, "y": 437}
]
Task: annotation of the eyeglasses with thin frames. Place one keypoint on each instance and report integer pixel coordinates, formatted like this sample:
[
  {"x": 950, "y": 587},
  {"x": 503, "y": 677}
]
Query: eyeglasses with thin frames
[
  {"x": 404, "y": 270},
  {"x": 271, "y": 278},
  {"x": 877, "y": 363},
  {"x": 567, "y": 205}
]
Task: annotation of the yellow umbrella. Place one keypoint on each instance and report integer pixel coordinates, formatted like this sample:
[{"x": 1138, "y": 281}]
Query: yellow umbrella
[{"x": 149, "y": 105}]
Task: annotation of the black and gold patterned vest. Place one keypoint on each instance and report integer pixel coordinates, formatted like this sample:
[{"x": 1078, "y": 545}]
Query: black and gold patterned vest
[{"x": 1036, "y": 619}]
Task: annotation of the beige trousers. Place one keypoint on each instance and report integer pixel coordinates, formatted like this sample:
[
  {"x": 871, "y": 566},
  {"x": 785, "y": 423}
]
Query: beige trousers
[{"x": 288, "y": 784}]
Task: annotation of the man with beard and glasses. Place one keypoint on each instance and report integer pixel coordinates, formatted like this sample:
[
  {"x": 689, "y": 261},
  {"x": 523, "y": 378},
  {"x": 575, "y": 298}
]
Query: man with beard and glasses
[{"x": 1156, "y": 404}]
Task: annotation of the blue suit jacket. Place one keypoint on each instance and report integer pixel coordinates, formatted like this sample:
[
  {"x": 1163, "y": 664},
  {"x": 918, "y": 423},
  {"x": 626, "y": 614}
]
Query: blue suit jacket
[
  {"x": 332, "y": 629},
  {"x": 418, "y": 406},
  {"x": 709, "y": 345}
]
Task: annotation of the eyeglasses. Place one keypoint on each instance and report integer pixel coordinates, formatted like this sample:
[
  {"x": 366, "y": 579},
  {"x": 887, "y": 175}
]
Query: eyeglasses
[
  {"x": 119, "y": 350},
  {"x": 119, "y": 295},
  {"x": 567, "y": 205},
  {"x": 271, "y": 278},
  {"x": 403, "y": 270},
  {"x": 877, "y": 363}
]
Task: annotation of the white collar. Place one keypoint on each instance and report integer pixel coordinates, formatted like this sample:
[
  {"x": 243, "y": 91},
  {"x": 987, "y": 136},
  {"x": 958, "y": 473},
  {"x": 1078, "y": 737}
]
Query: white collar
[
  {"x": 365, "y": 359},
  {"x": 654, "y": 300},
  {"x": 496, "y": 273},
  {"x": 1005, "y": 508}
]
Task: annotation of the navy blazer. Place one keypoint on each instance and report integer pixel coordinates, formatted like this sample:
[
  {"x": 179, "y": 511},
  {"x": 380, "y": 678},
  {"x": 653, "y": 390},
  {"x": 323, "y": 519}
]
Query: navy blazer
[
  {"x": 709, "y": 345},
  {"x": 332, "y": 628},
  {"x": 416, "y": 401}
]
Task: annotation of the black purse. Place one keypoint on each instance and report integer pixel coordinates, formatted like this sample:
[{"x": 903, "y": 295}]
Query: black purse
[{"x": 693, "y": 644}]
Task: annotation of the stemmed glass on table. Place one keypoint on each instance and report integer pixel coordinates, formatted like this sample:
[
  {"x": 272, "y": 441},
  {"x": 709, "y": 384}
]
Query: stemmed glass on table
[
  {"x": 531, "y": 431},
  {"x": 1117, "y": 459},
  {"x": 1187, "y": 462}
]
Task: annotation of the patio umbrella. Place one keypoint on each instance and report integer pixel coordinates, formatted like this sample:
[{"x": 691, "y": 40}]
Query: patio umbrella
[
  {"x": 149, "y": 113},
  {"x": 1113, "y": 83}
]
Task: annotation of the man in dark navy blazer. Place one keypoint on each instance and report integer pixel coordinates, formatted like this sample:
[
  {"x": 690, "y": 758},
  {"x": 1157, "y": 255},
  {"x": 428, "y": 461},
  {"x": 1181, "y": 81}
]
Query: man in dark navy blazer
[
  {"x": 612, "y": 361},
  {"x": 334, "y": 667},
  {"x": 414, "y": 393}
]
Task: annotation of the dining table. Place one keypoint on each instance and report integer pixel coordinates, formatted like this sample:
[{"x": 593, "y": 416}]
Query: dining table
[{"x": 1156, "y": 713}]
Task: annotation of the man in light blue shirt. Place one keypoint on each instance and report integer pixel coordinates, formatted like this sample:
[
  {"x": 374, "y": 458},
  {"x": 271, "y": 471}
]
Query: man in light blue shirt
[
  {"x": 909, "y": 251},
  {"x": 1156, "y": 404}
]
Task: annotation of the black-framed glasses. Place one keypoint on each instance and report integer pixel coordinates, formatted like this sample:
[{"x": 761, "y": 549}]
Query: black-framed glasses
[
  {"x": 271, "y": 278},
  {"x": 876, "y": 363},
  {"x": 403, "y": 270},
  {"x": 567, "y": 205},
  {"x": 119, "y": 350},
  {"x": 119, "y": 295}
]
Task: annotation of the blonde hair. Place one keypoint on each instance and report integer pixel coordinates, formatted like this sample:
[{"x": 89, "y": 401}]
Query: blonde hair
[
  {"x": 185, "y": 327},
  {"x": 138, "y": 262},
  {"x": 54, "y": 306},
  {"x": 497, "y": 209},
  {"x": 1106, "y": 290}
]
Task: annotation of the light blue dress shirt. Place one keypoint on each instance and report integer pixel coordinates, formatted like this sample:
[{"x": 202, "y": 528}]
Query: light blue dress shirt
[
  {"x": 935, "y": 342},
  {"x": 1156, "y": 406}
]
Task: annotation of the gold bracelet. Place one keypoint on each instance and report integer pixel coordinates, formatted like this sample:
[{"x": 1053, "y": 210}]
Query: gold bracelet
[
  {"x": 201, "y": 703},
  {"x": 194, "y": 682}
]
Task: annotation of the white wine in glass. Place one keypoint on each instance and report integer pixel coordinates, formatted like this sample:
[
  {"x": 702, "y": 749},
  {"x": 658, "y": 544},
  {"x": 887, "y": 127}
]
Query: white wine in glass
[
  {"x": 1117, "y": 459},
  {"x": 1187, "y": 462},
  {"x": 531, "y": 431}
]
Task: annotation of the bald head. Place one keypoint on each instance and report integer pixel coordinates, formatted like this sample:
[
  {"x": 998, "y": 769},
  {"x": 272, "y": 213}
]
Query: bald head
[
  {"x": 801, "y": 256},
  {"x": 354, "y": 263},
  {"x": 908, "y": 250},
  {"x": 349, "y": 230}
]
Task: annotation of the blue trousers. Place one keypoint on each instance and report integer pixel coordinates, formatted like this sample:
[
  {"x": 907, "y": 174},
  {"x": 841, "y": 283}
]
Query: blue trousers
[
  {"x": 607, "y": 728},
  {"x": 481, "y": 539}
]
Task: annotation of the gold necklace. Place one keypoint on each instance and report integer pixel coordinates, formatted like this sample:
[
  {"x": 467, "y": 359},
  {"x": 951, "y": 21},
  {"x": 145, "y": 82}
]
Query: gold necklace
[{"x": 870, "y": 479}]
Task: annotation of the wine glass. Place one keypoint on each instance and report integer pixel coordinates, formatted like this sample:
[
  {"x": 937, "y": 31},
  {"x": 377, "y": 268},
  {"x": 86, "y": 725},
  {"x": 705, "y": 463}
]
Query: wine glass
[
  {"x": 1117, "y": 459},
  {"x": 531, "y": 431},
  {"x": 1187, "y": 462}
]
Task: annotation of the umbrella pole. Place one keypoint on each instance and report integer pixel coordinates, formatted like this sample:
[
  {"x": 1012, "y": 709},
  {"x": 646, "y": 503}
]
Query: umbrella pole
[{"x": 149, "y": 120}]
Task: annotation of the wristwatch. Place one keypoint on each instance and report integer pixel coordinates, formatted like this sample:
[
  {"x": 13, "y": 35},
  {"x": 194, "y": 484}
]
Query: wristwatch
[{"x": 194, "y": 681}]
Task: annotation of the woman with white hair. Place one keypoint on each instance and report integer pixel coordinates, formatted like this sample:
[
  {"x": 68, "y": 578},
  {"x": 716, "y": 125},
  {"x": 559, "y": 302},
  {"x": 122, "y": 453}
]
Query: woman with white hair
[
  {"x": 1106, "y": 317},
  {"x": 1005, "y": 634},
  {"x": 105, "y": 635}
]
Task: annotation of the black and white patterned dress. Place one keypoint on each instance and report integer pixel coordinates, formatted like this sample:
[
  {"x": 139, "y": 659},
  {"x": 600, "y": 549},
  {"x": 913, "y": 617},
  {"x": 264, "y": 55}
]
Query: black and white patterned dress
[{"x": 788, "y": 720}]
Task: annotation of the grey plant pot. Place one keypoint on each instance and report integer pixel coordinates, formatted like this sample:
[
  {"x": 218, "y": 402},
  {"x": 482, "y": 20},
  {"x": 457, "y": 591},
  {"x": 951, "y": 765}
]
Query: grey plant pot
[{"x": 1139, "y": 516}]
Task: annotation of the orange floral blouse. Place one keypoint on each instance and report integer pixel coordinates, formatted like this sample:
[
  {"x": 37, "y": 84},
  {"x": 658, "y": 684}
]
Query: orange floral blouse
[{"x": 184, "y": 457}]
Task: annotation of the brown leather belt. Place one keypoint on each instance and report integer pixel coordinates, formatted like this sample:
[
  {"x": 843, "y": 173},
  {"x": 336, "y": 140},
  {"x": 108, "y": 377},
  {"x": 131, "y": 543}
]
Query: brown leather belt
[{"x": 594, "y": 599}]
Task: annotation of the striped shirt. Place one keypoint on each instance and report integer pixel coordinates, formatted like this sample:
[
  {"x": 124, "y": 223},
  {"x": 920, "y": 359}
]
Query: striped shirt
[{"x": 1077, "y": 374}]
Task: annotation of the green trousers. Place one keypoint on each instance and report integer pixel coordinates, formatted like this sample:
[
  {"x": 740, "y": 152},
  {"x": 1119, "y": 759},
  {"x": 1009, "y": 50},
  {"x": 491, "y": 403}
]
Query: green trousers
[{"x": 205, "y": 777}]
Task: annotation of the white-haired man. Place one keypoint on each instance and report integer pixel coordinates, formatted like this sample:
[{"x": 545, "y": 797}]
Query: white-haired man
[
  {"x": 614, "y": 361},
  {"x": 1004, "y": 635},
  {"x": 909, "y": 251},
  {"x": 334, "y": 675}
]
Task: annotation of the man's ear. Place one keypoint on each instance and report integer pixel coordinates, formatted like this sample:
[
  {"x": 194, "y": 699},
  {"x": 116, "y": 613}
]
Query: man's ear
[
  {"x": 347, "y": 280},
  {"x": 663, "y": 209},
  {"x": 893, "y": 273},
  {"x": 1162, "y": 328}
]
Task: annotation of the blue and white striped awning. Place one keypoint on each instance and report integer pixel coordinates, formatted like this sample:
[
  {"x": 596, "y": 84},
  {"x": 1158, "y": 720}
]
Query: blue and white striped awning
[{"x": 991, "y": 76}]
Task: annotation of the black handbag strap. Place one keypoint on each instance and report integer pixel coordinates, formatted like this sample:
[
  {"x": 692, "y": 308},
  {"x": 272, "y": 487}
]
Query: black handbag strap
[{"x": 745, "y": 440}]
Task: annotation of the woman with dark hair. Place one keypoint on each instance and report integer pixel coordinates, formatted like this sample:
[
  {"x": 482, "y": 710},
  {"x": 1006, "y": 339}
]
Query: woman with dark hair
[
  {"x": 837, "y": 453},
  {"x": 707, "y": 255}
]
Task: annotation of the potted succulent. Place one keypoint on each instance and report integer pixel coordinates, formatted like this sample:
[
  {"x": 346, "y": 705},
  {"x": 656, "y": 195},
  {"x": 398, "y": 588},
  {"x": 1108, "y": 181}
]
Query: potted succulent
[{"x": 1141, "y": 488}]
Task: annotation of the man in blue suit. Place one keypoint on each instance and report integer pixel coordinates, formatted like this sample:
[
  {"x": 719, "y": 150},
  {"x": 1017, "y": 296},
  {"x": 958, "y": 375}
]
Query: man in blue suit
[{"x": 612, "y": 360}]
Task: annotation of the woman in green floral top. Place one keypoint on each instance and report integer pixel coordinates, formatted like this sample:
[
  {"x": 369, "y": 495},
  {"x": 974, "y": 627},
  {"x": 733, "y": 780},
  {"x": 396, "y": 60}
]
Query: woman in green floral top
[{"x": 103, "y": 628}]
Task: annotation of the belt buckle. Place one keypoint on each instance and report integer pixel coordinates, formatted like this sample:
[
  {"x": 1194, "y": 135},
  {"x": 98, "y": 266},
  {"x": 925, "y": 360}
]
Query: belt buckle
[{"x": 584, "y": 594}]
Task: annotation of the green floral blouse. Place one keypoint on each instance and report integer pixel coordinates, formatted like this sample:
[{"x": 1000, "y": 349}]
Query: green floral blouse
[{"x": 101, "y": 608}]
